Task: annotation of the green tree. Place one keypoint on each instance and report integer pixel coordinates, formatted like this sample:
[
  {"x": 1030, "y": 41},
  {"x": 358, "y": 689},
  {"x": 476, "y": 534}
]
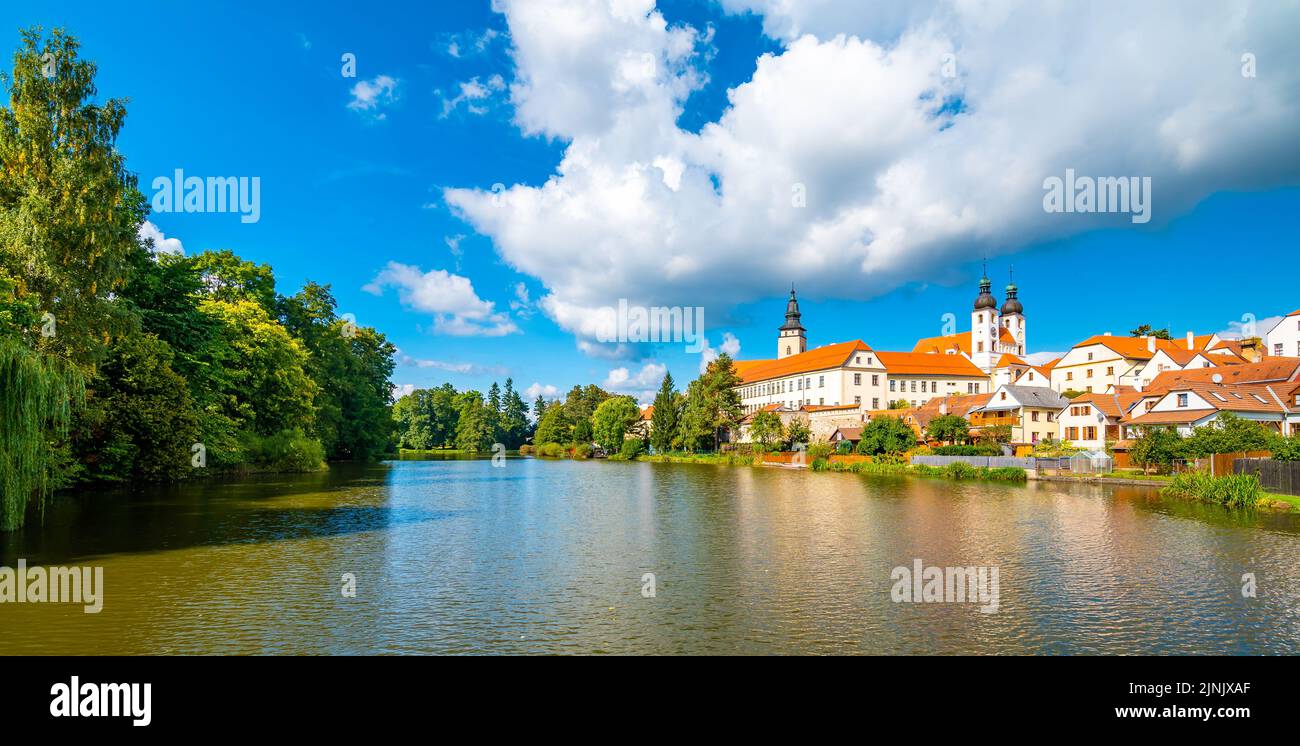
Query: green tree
[
  {"x": 663, "y": 423},
  {"x": 766, "y": 428},
  {"x": 69, "y": 209},
  {"x": 37, "y": 396},
  {"x": 949, "y": 428},
  {"x": 350, "y": 366},
  {"x": 554, "y": 427},
  {"x": 264, "y": 386},
  {"x": 886, "y": 435},
  {"x": 1228, "y": 433},
  {"x": 612, "y": 420},
  {"x": 474, "y": 428},
  {"x": 139, "y": 422},
  {"x": 227, "y": 277},
  {"x": 1147, "y": 331},
  {"x": 514, "y": 417},
  {"x": 797, "y": 432},
  {"x": 1158, "y": 447},
  {"x": 899, "y": 404}
]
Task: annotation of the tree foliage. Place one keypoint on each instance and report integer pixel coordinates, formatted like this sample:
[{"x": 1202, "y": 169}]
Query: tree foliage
[{"x": 886, "y": 435}]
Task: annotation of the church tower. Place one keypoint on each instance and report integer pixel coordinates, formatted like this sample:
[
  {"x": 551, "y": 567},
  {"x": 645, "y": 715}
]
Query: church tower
[
  {"x": 984, "y": 328},
  {"x": 793, "y": 338},
  {"x": 1013, "y": 318}
]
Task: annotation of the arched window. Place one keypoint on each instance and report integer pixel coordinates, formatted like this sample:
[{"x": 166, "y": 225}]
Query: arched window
[{"x": 787, "y": 349}]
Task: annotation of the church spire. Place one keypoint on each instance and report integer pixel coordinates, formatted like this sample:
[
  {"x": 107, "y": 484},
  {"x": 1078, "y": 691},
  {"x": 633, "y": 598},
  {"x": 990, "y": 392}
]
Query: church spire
[
  {"x": 792, "y": 314},
  {"x": 1013, "y": 303}
]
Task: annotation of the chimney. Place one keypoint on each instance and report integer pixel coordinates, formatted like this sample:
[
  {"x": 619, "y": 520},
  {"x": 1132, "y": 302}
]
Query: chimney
[
  {"x": 1151, "y": 345},
  {"x": 1191, "y": 340}
]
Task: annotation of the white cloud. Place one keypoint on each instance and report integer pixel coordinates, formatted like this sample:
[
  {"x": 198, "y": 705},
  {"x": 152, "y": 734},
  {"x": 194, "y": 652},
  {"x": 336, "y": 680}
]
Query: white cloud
[
  {"x": 457, "y": 310},
  {"x": 473, "y": 95},
  {"x": 522, "y": 305},
  {"x": 369, "y": 96},
  {"x": 402, "y": 389},
  {"x": 856, "y": 114},
  {"x": 1237, "y": 329},
  {"x": 407, "y": 361},
  {"x": 730, "y": 345},
  {"x": 161, "y": 244},
  {"x": 642, "y": 385},
  {"x": 546, "y": 391}
]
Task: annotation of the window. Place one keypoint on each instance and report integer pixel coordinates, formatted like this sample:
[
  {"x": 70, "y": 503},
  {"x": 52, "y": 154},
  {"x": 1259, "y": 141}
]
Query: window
[
  {"x": 980, "y": 347},
  {"x": 1110, "y": 370},
  {"x": 923, "y": 387},
  {"x": 1033, "y": 416},
  {"x": 875, "y": 404},
  {"x": 1277, "y": 349},
  {"x": 1090, "y": 373},
  {"x": 787, "y": 349},
  {"x": 1051, "y": 416},
  {"x": 1090, "y": 356},
  {"x": 869, "y": 361},
  {"x": 1182, "y": 400},
  {"x": 821, "y": 400},
  {"x": 913, "y": 387},
  {"x": 821, "y": 382},
  {"x": 857, "y": 400},
  {"x": 875, "y": 380},
  {"x": 892, "y": 382},
  {"x": 1069, "y": 375},
  {"x": 1090, "y": 433},
  {"x": 1003, "y": 396},
  {"x": 857, "y": 379}
]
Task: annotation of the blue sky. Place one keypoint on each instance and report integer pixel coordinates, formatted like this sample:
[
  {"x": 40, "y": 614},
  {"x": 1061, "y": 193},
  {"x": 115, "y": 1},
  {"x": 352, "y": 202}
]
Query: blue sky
[{"x": 348, "y": 188}]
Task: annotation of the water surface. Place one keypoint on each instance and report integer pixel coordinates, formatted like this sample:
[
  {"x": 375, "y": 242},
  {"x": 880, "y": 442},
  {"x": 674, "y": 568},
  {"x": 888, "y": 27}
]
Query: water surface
[{"x": 457, "y": 556}]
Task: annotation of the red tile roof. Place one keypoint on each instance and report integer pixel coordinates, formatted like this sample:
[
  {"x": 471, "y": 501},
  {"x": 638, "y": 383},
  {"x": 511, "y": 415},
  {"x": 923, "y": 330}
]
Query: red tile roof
[
  {"x": 959, "y": 342},
  {"x": 928, "y": 364},
  {"x": 821, "y": 358}
]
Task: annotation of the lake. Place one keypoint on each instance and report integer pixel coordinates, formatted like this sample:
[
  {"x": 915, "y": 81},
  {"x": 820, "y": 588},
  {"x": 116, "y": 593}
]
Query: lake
[{"x": 458, "y": 556}]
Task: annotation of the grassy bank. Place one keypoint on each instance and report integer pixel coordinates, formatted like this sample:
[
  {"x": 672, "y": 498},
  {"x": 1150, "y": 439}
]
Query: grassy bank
[
  {"x": 1229, "y": 490},
  {"x": 957, "y": 470}
]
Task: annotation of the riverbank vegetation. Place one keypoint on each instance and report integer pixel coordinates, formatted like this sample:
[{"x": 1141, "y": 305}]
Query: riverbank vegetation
[
  {"x": 121, "y": 363},
  {"x": 446, "y": 420},
  {"x": 1160, "y": 448}
]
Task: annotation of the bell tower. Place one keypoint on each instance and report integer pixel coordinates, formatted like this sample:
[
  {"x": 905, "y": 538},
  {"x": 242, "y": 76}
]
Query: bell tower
[
  {"x": 1013, "y": 317},
  {"x": 792, "y": 338},
  {"x": 984, "y": 327}
]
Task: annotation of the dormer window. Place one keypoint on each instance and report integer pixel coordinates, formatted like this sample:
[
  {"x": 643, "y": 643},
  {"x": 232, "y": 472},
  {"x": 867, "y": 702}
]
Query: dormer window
[{"x": 1182, "y": 400}]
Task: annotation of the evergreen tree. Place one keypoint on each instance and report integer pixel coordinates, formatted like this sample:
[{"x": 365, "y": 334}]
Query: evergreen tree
[{"x": 663, "y": 423}]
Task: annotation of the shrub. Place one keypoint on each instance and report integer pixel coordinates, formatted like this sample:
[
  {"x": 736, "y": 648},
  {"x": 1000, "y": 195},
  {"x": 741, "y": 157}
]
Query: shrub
[
  {"x": 1007, "y": 474},
  {"x": 551, "y": 450},
  {"x": 526, "y": 450},
  {"x": 632, "y": 448},
  {"x": 287, "y": 450},
  {"x": 1232, "y": 490},
  {"x": 819, "y": 450},
  {"x": 844, "y": 448},
  {"x": 960, "y": 470},
  {"x": 582, "y": 450}
]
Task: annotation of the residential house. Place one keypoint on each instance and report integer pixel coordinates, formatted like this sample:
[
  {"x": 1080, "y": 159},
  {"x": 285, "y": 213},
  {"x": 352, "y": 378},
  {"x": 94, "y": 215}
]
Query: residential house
[{"x": 1030, "y": 411}]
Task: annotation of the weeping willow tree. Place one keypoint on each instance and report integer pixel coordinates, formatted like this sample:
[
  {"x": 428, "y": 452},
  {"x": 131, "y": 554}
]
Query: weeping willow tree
[{"x": 37, "y": 396}]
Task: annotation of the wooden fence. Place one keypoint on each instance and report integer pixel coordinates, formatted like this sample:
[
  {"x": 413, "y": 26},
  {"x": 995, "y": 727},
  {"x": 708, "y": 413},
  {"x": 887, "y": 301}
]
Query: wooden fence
[{"x": 1282, "y": 477}]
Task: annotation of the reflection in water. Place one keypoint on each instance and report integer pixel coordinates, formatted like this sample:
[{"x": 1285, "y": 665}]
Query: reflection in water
[{"x": 455, "y": 556}]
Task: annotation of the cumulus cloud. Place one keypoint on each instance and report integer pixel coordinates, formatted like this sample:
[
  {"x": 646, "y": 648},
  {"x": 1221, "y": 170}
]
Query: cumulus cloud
[
  {"x": 457, "y": 310},
  {"x": 641, "y": 385},
  {"x": 852, "y": 162},
  {"x": 730, "y": 345},
  {"x": 370, "y": 96},
  {"x": 161, "y": 244},
  {"x": 546, "y": 391}
]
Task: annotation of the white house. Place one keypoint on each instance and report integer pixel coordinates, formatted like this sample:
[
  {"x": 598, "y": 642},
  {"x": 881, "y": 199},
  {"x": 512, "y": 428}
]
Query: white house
[
  {"x": 1284, "y": 339},
  {"x": 1030, "y": 411}
]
